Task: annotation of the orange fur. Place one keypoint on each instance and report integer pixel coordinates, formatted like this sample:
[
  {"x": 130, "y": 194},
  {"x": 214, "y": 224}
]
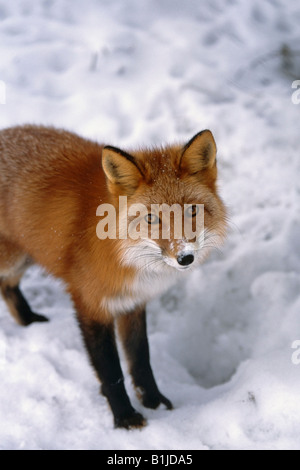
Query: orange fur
[{"x": 51, "y": 183}]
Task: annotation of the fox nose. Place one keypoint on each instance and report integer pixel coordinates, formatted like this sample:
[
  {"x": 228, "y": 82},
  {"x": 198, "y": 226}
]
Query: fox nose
[{"x": 185, "y": 259}]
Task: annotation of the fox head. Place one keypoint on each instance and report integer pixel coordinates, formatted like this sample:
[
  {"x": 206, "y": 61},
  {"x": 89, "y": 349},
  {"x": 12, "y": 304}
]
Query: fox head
[{"x": 163, "y": 191}]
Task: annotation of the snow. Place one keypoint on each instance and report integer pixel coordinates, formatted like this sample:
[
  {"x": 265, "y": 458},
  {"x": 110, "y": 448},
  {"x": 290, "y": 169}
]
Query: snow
[{"x": 133, "y": 73}]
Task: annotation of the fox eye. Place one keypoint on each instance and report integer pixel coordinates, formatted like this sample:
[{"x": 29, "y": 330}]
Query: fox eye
[
  {"x": 192, "y": 210},
  {"x": 152, "y": 219}
]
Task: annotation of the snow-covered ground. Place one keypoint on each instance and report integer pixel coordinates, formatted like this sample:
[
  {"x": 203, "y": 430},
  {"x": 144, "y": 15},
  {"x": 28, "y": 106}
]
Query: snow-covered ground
[{"x": 134, "y": 72}]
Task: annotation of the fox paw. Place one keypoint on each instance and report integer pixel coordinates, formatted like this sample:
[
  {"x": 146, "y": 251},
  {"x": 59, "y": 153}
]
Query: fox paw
[
  {"x": 34, "y": 317},
  {"x": 134, "y": 421},
  {"x": 154, "y": 400}
]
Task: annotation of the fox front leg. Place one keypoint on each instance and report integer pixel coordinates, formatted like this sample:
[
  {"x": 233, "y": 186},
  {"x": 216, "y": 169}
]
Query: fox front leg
[
  {"x": 101, "y": 345},
  {"x": 133, "y": 333}
]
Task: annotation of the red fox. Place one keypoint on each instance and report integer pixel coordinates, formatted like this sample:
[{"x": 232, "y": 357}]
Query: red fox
[{"x": 52, "y": 183}]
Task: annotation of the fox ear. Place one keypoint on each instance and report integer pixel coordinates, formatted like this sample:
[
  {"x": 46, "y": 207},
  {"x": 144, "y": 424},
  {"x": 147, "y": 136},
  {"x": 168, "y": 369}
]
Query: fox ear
[
  {"x": 121, "y": 169},
  {"x": 199, "y": 153}
]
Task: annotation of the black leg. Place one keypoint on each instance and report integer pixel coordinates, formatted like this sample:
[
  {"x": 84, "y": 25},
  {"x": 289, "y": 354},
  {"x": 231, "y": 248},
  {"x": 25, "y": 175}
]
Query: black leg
[
  {"x": 18, "y": 305},
  {"x": 133, "y": 332},
  {"x": 101, "y": 345}
]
